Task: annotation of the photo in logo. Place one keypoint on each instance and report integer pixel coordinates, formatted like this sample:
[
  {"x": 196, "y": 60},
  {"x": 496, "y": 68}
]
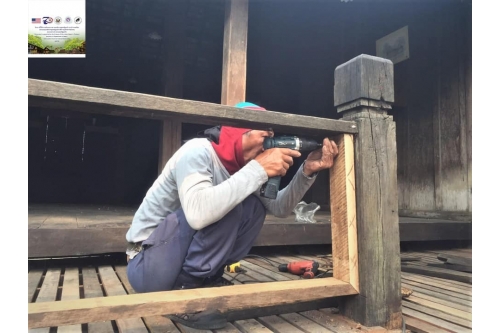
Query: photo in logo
[
  {"x": 57, "y": 20},
  {"x": 78, "y": 20},
  {"x": 47, "y": 20}
]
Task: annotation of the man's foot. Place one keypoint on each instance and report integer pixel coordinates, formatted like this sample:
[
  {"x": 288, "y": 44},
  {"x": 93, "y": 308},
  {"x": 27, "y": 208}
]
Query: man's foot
[{"x": 202, "y": 320}]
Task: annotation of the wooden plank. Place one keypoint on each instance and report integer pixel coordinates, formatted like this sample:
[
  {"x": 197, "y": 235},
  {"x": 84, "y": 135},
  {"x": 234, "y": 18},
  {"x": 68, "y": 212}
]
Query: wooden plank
[
  {"x": 417, "y": 229},
  {"x": 443, "y": 302},
  {"x": 170, "y": 141},
  {"x": 451, "y": 259},
  {"x": 438, "y": 272},
  {"x": 343, "y": 213},
  {"x": 439, "y": 284},
  {"x": 438, "y": 313},
  {"x": 230, "y": 328},
  {"x": 379, "y": 302},
  {"x": 294, "y": 233},
  {"x": 277, "y": 324},
  {"x": 92, "y": 288},
  {"x": 234, "y": 56},
  {"x": 70, "y": 291},
  {"x": 435, "y": 321},
  {"x": 459, "y": 294},
  {"x": 326, "y": 318},
  {"x": 155, "y": 324},
  {"x": 438, "y": 295},
  {"x": 453, "y": 267},
  {"x": 48, "y": 293},
  {"x": 159, "y": 303},
  {"x": 113, "y": 287},
  {"x": 57, "y": 95},
  {"x": 435, "y": 305},
  {"x": 304, "y": 323},
  {"x": 34, "y": 280},
  {"x": 419, "y": 326},
  {"x": 251, "y": 326}
]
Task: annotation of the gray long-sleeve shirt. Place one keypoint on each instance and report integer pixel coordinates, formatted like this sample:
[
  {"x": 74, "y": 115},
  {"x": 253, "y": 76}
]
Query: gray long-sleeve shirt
[{"x": 196, "y": 179}]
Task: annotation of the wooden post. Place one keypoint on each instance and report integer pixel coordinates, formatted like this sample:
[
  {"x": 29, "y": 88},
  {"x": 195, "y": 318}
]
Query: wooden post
[
  {"x": 173, "y": 77},
  {"x": 234, "y": 66},
  {"x": 363, "y": 92}
]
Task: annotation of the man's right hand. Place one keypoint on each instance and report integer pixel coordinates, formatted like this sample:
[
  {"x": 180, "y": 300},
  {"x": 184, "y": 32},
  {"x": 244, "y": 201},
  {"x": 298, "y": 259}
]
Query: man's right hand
[{"x": 277, "y": 161}]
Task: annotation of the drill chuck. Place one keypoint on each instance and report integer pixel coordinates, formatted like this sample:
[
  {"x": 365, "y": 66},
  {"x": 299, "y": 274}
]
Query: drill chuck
[{"x": 283, "y": 268}]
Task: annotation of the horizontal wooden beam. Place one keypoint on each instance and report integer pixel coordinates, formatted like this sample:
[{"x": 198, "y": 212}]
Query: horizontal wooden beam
[
  {"x": 50, "y": 314},
  {"x": 54, "y": 242},
  {"x": 58, "y": 95}
]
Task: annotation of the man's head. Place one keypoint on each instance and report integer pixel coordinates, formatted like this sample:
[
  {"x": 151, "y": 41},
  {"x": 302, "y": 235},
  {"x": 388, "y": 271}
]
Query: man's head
[
  {"x": 236, "y": 146},
  {"x": 252, "y": 140}
]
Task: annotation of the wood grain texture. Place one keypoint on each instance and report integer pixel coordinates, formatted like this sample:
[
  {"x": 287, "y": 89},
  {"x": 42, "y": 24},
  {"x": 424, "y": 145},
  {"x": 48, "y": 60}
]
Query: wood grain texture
[
  {"x": 343, "y": 213},
  {"x": 57, "y": 95},
  {"x": 113, "y": 287},
  {"x": 435, "y": 321},
  {"x": 364, "y": 76},
  {"x": 420, "y": 326},
  {"x": 92, "y": 288},
  {"x": 170, "y": 141},
  {"x": 159, "y": 303},
  {"x": 155, "y": 324},
  {"x": 34, "y": 277},
  {"x": 234, "y": 58},
  {"x": 379, "y": 303},
  {"x": 47, "y": 294},
  {"x": 70, "y": 291},
  {"x": 304, "y": 323}
]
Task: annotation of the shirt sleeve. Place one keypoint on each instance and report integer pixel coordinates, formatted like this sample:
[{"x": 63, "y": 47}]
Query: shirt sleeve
[
  {"x": 291, "y": 195},
  {"x": 205, "y": 203}
]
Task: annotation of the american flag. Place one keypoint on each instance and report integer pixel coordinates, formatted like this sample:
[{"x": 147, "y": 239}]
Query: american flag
[{"x": 36, "y": 20}]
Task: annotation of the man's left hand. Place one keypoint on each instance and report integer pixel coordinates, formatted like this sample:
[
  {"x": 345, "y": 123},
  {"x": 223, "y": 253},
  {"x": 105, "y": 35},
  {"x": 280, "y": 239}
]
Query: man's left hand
[{"x": 321, "y": 159}]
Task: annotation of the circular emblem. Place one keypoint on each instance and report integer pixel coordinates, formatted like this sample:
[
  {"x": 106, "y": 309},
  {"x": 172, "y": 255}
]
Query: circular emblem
[
  {"x": 78, "y": 20},
  {"x": 57, "y": 20},
  {"x": 67, "y": 20}
]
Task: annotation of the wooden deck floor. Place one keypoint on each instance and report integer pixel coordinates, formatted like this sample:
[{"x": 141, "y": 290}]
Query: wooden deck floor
[{"x": 435, "y": 305}]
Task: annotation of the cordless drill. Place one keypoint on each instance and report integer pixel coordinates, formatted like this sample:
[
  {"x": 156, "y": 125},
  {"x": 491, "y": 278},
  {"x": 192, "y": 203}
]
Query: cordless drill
[
  {"x": 271, "y": 187},
  {"x": 307, "y": 268}
]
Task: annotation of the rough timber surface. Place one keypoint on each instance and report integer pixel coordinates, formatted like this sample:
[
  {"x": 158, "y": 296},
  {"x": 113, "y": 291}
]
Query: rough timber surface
[
  {"x": 63, "y": 230},
  {"x": 70, "y": 97},
  {"x": 434, "y": 306}
]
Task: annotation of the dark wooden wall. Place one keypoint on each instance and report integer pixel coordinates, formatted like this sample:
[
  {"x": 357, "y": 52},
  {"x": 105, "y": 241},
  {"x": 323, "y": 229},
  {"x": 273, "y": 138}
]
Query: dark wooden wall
[{"x": 293, "y": 50}]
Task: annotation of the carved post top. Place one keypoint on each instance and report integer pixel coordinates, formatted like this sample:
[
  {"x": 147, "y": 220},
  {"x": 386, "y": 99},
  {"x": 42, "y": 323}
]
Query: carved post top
[{"x": 364, "y": 81}]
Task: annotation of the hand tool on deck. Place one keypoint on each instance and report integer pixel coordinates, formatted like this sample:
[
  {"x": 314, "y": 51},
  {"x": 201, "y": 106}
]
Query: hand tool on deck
[
  {"x": 234, "y": 268},
  {"x": 306, "y": 268}
]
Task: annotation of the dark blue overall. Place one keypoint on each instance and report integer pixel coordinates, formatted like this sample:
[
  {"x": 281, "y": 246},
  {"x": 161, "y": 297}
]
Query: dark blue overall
[{"x": 174, "y": 246}]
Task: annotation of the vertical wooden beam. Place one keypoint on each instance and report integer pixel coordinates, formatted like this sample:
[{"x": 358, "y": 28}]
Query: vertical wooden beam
[
  {"x": 234, "y": 67},
  {"x": 343, "y": 213},
  {"x": 173, "y": 77},
  {"x": 363, "y": 91}
]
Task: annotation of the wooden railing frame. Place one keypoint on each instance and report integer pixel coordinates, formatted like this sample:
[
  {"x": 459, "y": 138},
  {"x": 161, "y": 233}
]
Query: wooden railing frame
[
  {"x": 364, "y": 216},
  {"x": 67, "y": 97}
]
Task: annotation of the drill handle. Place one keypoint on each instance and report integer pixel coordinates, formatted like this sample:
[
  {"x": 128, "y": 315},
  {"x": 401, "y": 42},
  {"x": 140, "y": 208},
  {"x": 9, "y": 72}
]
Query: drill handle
[{"x": 271, "y": 187}]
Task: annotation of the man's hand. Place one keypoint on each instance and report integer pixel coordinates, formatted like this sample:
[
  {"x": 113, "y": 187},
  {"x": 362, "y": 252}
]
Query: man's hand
[
  {"x": 277, "y": 161},
  {"x": 321, "y": 159}
]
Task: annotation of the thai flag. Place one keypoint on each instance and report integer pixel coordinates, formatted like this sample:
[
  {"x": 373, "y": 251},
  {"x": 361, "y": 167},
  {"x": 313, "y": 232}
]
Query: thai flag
[{"x": 36, "y": 20}]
